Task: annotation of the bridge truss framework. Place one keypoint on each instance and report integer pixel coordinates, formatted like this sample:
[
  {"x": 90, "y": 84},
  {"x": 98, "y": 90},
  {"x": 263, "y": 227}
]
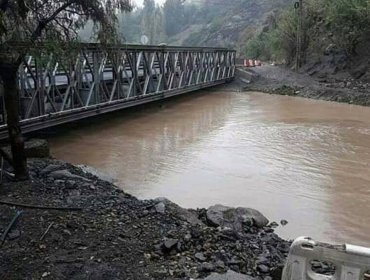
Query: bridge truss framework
[{"x": 92, "y": 80}]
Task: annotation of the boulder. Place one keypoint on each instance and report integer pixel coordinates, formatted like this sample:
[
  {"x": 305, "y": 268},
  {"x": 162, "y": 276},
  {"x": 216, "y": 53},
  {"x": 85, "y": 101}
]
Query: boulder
[
  {"x": 235, "y": 218},
  {"x": 160, "y": 208},
  {"x": 93, "y": 171},
  {"x": 283, "y": 222},
  {"x": 206, "y": 267},
  {"x": 200, "y": 257},
  {"x": 65, "y": 174},
  {"x": 181, "y": 213},
  {"x": 230, "y": 275},
  {"x": 263, "y": 268},
  {"x": 170, "y": 243},
  {"x": 50, "y": 168}
]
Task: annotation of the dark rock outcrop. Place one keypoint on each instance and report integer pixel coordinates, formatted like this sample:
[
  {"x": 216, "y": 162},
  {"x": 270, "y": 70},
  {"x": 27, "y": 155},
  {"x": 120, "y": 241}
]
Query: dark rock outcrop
[
  {"x": 183, "y": 214},
  {"x": 235, "y": 218}
]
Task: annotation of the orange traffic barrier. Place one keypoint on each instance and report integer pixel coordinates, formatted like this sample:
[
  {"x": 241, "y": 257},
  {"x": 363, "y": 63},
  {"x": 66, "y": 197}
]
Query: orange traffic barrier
[{"x": 252, "y": 63}]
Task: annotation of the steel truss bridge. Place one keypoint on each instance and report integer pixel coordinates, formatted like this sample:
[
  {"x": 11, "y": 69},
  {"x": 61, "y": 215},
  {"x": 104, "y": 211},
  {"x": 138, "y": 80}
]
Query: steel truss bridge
[{"x": 92, "y": 80}]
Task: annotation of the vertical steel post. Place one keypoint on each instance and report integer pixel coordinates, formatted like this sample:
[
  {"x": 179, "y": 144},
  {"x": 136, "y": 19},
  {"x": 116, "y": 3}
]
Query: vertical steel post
[
  {"x": 135, "y": 75},
  {"x": 79, "y": 71},
  {"x": 39, "y": 87},
  {"x": 162, "y": 70},
  {"x": 96, "y": 66},
  {"x": 2, "y": 109},
  {"x": 41, "y": 99}
]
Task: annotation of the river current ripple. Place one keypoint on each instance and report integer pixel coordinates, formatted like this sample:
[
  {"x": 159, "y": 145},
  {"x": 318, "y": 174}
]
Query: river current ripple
[{"x": 301, "y": 160}]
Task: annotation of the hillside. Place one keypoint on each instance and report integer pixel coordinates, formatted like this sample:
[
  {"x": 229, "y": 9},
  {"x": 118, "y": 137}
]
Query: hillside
[
  {"x": 227, "y": 23},
  {"x": 335, "y": 38},
  {"x": 222, "y": 23},
  {"x": 335, "y": 33}
]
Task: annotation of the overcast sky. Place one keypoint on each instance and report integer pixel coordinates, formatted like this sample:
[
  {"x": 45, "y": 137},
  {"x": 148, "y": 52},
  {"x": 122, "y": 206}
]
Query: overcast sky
[{"x": 140, "y": 2}]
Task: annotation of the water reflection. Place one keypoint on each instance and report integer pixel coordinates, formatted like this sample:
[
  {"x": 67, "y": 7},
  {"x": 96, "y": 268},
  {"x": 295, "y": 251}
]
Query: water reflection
[{"x": 301, "y": 160}]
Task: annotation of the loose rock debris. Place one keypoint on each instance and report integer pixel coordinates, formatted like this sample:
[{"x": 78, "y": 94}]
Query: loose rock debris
[{"x": 117, "y": 236}]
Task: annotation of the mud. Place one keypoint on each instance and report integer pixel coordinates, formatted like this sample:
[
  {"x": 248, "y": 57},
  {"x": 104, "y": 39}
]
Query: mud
[{"x": 284, "y": 81}]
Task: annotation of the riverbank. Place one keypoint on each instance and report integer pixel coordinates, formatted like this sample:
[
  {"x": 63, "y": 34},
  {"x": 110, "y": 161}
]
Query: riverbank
[
  {"x": 85, "y": 228},
  {"x": 283, "y": 81}
]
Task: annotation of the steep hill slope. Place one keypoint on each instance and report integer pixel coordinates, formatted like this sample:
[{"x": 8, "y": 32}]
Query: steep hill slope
[{"x": 227, "y": 23}]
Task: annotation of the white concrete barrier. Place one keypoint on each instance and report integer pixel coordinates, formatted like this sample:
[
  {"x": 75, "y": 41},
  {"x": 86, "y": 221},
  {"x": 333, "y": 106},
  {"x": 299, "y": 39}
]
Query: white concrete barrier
[{"x": 351, "y": 262}]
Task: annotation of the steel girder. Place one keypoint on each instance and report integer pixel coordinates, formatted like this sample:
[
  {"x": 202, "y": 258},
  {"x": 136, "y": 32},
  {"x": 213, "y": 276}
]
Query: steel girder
[{"x": 55, "y": 89}]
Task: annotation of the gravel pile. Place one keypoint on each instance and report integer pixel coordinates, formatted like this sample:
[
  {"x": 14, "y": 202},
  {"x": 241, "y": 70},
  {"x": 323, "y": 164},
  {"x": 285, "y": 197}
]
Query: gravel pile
[{"x": 74, "y": 225}]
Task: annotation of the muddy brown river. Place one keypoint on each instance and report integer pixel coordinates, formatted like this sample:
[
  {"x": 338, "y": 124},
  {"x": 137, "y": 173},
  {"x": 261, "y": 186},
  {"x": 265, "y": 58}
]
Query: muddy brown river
[{"x": 301, "y": 160}]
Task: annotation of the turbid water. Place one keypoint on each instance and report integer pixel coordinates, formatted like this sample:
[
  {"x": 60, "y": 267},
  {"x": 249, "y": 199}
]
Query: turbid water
[{"x": 301, "y": 160}]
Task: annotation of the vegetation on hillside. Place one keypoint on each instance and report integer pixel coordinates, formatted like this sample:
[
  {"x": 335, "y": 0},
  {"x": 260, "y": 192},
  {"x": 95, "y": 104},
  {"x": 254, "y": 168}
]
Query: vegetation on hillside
[
  {"x": 224, "y": 23},
  {"x": 261, "y": 29},
  {"x": 327, "y": 24},
  {"x": 158, "y": 23}
]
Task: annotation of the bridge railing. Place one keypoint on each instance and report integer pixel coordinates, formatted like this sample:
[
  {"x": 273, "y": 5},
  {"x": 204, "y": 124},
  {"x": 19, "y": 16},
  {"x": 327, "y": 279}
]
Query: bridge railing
[{"x": 57, "y": 88}]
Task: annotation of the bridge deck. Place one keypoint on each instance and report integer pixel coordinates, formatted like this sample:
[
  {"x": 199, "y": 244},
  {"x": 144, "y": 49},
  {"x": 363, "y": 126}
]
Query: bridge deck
[{"x": 56, "y": 89}]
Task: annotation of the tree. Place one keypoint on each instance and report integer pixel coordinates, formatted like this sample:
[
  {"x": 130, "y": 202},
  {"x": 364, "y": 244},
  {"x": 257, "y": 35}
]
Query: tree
[
  {"x": 31, "y": 21},
  {"x": 349, "y": 21},
  {"x": 160, "y": 34},
  {"x": 152, "y": 22},
  {"x": 174, "y": 16},
  {"x": 130, "y": 26},
  {"x": 148, "y": 18}
]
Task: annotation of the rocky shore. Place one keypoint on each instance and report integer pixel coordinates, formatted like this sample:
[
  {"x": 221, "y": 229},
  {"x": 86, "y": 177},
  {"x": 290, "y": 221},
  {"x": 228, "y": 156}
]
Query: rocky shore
[
  {"x": 73, "y": 225},
  {"x": 283, "y": 81}
]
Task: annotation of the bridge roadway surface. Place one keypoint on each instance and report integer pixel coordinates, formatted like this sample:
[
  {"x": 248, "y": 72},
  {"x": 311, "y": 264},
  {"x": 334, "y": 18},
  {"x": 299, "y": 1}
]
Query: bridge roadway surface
[{"x": 51, "y": 95}]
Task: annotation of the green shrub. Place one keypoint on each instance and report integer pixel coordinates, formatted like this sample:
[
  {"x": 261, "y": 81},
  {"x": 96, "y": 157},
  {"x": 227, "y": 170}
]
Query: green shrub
[
  {"x": 277, "y": 41},
  {"x": 340, "y": 22},
  {"x": 349, "y": 20}
]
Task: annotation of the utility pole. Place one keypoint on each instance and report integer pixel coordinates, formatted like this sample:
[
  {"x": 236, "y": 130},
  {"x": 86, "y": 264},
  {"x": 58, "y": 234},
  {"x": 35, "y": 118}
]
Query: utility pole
[{"x": 299, "y": 7}]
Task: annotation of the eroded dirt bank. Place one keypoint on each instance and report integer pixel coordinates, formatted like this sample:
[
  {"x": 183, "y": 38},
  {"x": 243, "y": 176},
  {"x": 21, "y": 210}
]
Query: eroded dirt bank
[
  {"x": 282, "y": 80},
  {"x": 100, "y": 232}
]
